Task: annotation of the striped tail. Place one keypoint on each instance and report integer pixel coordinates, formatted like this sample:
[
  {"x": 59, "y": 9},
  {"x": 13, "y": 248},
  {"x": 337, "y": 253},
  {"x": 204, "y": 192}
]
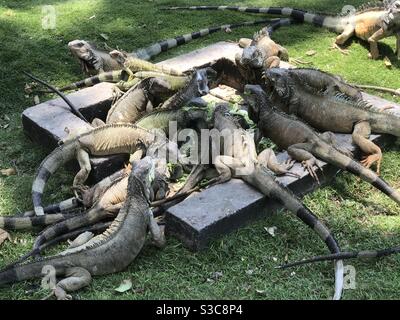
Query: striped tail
[
  {"x": 366, "y": 254},
  {"x": 49, "y": 165},
  {"x": 325, "y": 21},
  {"x": 92, "y": 216},
  {"x": 21, "y": 223},
  {"x": 149, "y": 52},
  {"x": 344, "y": 162},
  {"x": 111, "y": 76}
]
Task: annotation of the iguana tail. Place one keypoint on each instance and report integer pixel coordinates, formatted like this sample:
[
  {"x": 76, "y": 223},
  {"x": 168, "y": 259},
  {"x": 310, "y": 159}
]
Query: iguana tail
[
  {"x": 331, "y": 155},
  {"x": 330, "y": 22},
  {"x": 265, "y": 183},
  {"x": 151, "y": 51},
  {"x": 65, "y": 205},
  {"x": 28, "y": 222},
  {"x": 92, "y": 216},
  {"x": 111, "y": 76},
  {"x": 365, "y": 254},
  {"x": 49, "y": 165}
]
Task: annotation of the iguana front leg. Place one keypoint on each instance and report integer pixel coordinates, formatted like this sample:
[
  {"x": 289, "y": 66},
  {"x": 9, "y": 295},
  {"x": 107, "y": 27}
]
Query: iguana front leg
[
  {"x": 268, "y": 159},
  {"x": 299, "y": 152},
  {"x": 157, "y": 234},
  {"x": 76, "y": 278},
  {"x": 361, "y": 133},
  {"x": 373, "y": 42}
]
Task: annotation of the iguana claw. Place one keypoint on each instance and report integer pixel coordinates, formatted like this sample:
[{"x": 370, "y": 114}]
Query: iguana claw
[
  {"x": 309, "y": 166},
  {"x": 368, "y": 161}
]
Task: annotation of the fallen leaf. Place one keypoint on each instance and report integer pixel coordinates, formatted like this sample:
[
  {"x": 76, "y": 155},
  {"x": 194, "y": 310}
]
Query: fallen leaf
[
  {"x": 124, "y": 286},
  {"x": 275, "y": 259},
  {"x": 36, "y": 99},
  {"x": 293, "y": 273},
  {"x": 271, "y": 230},
  {"x": 387, "y": 62},
  {"x": 228, "y": 30},
  {"x": 249, "y": 272},
  {"x": 311, "y": 53},
  {"x": 104, "y": 36},
  {"x": 260, "y": 291},
  {"x": 6, "y": 118},
  {"x": 8, "y": 172},
  {"x": 92, "y": 17},
  {"x": 4, "y": 235}
]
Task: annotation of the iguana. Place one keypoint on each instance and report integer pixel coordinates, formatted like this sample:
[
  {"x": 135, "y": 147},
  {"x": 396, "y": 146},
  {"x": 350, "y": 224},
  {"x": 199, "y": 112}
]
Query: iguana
[
  {"x": 303, "y": 143},
  {"x": 110, "y": 252},
  {"x": 371, "y": 23},
  {"x": 93, "y": 60},
  {"x": 196, "y": 87},
  {"x": 262, "y": 51},
  {"x": 319, "y": 81},
  {"x": 67, "y": 208},
  {"x": 240, "y": 159},
  {"x": 104, "y": 140},
  {"x": 337, "y": 113}
]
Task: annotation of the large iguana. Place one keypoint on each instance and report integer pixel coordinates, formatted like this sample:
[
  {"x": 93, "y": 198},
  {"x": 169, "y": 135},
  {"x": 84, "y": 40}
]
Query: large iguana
[
  {"x": 336, "y": 113},
  {"x": 93, "y": 60},
  {"x": 104, "y": 140},
  {"x": 371, "y": 23},
  {"x": 303, "y": 143},
  {"x": 107, "y": 253},
  {"x": 239, "y": 159}
]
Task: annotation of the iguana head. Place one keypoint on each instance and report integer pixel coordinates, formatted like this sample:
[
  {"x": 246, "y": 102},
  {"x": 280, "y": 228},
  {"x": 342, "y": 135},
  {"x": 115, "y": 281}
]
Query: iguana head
[
  {"x": 85, "y": 54},
  {"x": 394, "y": 12},
  {"x": 252, "y": 57},
  {"x": 255, "y": 97},
  {"x": 202, "y": 78},
  {"x": 277, "y": 80},
  {"x": 143, "y": 171}
]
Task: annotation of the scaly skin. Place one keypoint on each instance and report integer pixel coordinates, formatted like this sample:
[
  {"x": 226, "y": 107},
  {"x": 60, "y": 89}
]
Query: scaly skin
[
  {"x": 94, "y": 61},
  {"x": 105, "y": 140},
  {"x": 369, "y": 23},
  {"x": 240, "y": 160},
  {"x": 321, "y": 82},
  {"x": 107, "y": 253},
  {"x": 196, "y": 87},
  {"x": 304, "y": 144},
  {"x": 333, "y": 113}
]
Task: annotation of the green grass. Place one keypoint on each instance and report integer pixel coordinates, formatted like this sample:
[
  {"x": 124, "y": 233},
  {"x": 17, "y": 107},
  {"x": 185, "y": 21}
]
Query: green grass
[{"x": 359, "y": 216}]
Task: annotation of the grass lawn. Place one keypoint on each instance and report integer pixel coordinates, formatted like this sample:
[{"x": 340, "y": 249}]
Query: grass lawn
[{"x": 358, "y": 214}]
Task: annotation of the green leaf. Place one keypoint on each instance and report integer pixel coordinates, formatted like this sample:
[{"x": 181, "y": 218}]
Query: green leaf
[{"x": 124, "y": 286}]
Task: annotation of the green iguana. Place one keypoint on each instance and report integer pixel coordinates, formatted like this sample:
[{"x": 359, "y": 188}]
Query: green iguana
[
  {"x": 371, "y": 23},
  {"x": 336, "y": 113},
  {"x": 240, "y": 159},
  {"x": 110, "y": 252},
  {"x": 106, "y": 140},
  {"x": 93, "y": 60},
  {"x": 303, "y": 143}
]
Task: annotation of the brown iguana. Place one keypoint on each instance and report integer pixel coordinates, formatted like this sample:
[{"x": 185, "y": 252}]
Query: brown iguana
[
  {"x": 93, "y": 60},
  {"x": 371, "y": 23},
  {"x": 239, "y": 159},
  {"x": 110, "y": 252},
  {"x": 336, "y": 113},
  {"x": 319, "y": 81},
  {"x": 106, "y": 140},
  {"x": 303, "y": 143}
]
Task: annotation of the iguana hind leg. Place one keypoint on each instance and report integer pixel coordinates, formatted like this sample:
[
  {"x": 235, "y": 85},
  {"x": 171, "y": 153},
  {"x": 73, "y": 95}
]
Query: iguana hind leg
[
  {"x": 83, "y": 173},
  {"x": 156, "y": 232},
  {"x": 330, "y": 138},
  {"x": 309, "y": 162},
  {"x": 342, "y": 38},
  {"x": 245, "y": 42},
  {"x": 373, "y": 43},
  {"x": 361, "y": 133},
  {"x": 76, "y": 278}
]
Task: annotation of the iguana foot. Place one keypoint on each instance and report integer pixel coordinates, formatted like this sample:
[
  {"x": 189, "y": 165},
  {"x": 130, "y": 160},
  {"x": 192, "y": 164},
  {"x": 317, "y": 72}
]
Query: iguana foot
[
  {"x": 335, "y": 46},
  {"x": 309, "y": 166},
  {"x": 368, "y": 161},
  {"x": 60, "y": 294}
]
